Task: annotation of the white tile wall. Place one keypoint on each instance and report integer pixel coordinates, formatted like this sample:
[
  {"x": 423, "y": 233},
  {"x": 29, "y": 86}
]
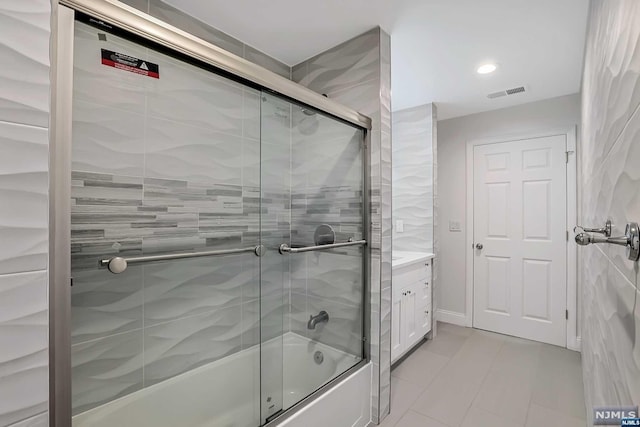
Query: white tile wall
[
  {"x": 23, "y": 192},
  {"x": 24, "y": 120},
  {"x": 23, "y": 340},
  {"x": 611, "y": 183},
  {"x": 413, "y": 178}
]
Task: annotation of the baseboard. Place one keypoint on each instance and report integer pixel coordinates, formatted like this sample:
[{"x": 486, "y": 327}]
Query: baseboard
[
  {"x": 575, "y": 345},
  {"x": 453, "y": 317}
]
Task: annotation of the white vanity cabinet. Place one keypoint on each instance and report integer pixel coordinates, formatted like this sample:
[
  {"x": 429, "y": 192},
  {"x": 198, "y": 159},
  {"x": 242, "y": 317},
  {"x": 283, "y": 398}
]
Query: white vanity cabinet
[{"x": 411, "y": 294}]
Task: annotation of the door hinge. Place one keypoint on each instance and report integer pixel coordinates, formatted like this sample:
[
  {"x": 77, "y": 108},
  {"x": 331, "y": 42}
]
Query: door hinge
[
  {"x": 566, "y": 314},
  {"x": 567, "y": 235},
  {"x": 567, "y": 153}
]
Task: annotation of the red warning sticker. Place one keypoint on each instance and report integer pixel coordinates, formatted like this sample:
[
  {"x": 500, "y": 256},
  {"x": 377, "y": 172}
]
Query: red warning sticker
[{"x": 129, "y": 63}]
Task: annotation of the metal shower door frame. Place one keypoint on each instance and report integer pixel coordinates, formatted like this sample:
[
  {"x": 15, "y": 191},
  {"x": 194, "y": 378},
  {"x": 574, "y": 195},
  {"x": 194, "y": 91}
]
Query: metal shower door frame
[{"x": 114, "y": 13}]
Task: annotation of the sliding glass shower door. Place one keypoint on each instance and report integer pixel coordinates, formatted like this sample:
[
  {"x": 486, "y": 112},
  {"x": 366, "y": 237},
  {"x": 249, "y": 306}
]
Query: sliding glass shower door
[
  {"x": 164, "y": 167},
  {"x": 312, "y": 289},
  {"x": 217, "y": 242}
]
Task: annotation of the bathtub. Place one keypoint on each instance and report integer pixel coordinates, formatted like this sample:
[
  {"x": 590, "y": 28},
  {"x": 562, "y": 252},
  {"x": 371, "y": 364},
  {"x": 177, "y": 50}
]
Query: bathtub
[{"x": 226, "y": 393}]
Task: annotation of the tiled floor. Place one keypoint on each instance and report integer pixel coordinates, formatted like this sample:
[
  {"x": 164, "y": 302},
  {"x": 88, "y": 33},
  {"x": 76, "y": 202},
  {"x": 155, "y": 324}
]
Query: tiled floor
[{"x": 471, "y": 378}]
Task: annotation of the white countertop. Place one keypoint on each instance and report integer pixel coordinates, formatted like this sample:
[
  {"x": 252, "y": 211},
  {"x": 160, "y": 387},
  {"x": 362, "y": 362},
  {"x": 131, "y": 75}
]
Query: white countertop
[{"x": 400, "y": 258}]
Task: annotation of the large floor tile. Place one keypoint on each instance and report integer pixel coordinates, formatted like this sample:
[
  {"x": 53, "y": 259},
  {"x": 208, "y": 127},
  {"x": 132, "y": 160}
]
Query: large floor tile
[
  {"x": 446, "y": 343},
  {"x": 474, "y": 359},
  {"x": 421, "y": 367},
  {"x": 413, "y": 419},
  {"x": 541, "y": 416},
  {"x": 477, "y": 417},
  {"x": 558, "y": 381},
  {"x": 447, "y": 400},
  {"x": 403, "y": 394},
  {"x": 491, "y": 380},
  {"x": 507, "y": 388}
]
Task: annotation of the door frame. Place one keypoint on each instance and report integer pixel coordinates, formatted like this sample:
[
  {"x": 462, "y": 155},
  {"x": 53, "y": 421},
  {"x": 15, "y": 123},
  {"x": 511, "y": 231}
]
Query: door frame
[{"x": 573, "y": 341}]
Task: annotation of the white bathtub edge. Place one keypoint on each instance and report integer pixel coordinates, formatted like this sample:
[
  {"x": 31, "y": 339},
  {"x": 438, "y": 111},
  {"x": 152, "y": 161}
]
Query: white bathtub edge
[{"x": 330, "y": 409}]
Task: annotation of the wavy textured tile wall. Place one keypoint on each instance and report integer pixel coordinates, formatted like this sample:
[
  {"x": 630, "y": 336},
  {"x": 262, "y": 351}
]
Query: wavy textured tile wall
[
  {"x": 610, "y": 158},
  {"x": 24, "y": 121},
  {"x": 357, "y": 73},
  {"x": 179, "y": 19},
  {"x": 413, "y": 178}
]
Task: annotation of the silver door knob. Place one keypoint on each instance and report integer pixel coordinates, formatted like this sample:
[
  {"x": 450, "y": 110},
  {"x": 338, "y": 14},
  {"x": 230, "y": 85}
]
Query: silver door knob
[{"x": 479, "y": 246}]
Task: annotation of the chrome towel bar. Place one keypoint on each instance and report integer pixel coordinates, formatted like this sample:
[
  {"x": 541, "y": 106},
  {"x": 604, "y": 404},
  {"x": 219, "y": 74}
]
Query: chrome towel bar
[
  {"x": 284, "y": 248},
  {"x": 117, "y": 265}
]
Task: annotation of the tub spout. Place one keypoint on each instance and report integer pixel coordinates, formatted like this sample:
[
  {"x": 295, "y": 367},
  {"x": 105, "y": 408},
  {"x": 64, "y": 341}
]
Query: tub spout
[{"x": 323, "y": 316}]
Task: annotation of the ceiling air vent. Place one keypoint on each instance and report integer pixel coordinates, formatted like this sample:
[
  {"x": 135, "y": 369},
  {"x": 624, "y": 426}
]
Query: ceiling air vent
[
  {"x": 506, "y": 92},
  {"x": 515, "y": 90},
  {"x": 497, "y": 94}
]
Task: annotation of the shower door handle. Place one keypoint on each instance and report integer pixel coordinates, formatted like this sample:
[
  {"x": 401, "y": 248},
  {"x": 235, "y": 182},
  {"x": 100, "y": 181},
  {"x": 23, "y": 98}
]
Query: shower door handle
[
  {"x": 284, "y": 248},
  {"x": 117, "y": 264}
]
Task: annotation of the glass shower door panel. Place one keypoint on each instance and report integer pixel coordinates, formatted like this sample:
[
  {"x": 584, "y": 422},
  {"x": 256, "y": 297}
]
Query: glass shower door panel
[
  {"x": 166, "y": 165},
  {"x": 314, "y": 164},
  {"x": 327, "y": 198},
  {"x": 275, "y": 199}
]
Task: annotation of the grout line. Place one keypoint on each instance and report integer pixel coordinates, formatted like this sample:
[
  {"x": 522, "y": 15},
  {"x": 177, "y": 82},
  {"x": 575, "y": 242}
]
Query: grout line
[
  {"x": 36, "y": 127},
  {"x": 486, "y": 375},
  {"x": 615, "y": 266},
  {"x": 93, "y": 340},
  {"x": 616, "y": 141}
]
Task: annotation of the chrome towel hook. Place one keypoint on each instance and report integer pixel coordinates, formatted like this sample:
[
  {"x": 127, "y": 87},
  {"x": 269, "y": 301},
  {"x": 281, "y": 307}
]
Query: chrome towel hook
[
  {"x": 606, "y": 230},
  {"x": 631, "y": 240}
]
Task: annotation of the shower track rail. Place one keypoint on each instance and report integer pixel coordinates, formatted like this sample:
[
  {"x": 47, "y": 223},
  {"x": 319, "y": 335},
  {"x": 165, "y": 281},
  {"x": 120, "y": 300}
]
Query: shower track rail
[
  {"x": 117, "y": 265},
  {"x": 284, "y": 248}
]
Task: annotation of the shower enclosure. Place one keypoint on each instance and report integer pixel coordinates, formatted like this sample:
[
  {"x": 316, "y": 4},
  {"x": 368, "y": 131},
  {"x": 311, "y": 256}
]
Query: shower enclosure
[{"x": 217, "y": 232}]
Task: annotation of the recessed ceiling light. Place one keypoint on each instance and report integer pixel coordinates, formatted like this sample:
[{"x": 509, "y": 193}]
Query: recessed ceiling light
[{"x": 487, "y": 68}]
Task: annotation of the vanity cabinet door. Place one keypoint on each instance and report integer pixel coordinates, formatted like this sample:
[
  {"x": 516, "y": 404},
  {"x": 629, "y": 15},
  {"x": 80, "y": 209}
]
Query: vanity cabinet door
[
  {"x": 425, "y": 291},
  {"x": 397, "y": 324},
  {"x": 410, "y": 307},
  {"x": 423, "y": 319},
  {"x": 409, "y": 310}
]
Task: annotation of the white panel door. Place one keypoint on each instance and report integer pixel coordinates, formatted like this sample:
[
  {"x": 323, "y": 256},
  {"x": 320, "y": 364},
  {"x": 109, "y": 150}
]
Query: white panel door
[{"x": 519, "y": 219}]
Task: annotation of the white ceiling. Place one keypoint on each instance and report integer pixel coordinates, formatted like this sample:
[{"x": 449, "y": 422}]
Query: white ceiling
[{"x": 436, "y": 44}]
